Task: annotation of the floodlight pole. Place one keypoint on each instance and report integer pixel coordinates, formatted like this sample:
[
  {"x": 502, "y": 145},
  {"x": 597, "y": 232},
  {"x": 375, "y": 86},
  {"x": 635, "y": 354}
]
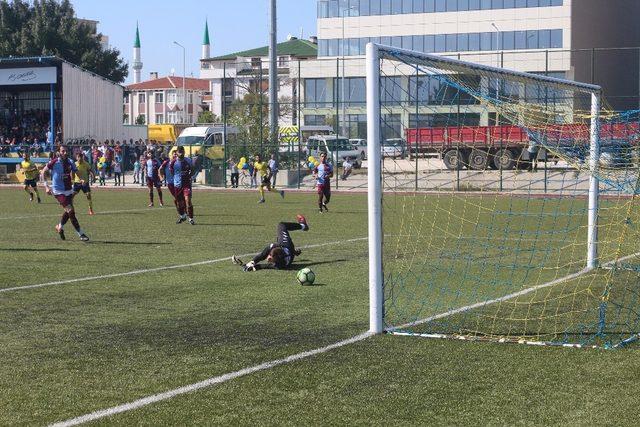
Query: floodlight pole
[
  {"x": 273, "y": 77},
  {"x": 376, "y": 296},
  {"x": 594, "y": 183},
  {"x": 184, "y": 86}
]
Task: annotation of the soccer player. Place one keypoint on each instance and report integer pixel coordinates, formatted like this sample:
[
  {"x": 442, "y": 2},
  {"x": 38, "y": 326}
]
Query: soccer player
[
  {"x": 30, "y": 171},
  {"x": 182, "y": 170},
  {"x": 153, "y": 179},
  {"x": 167, "y": 175},
  {"x": 323, "y": 174},
  {"x": 82, "y": 177},
  {"x": 279, "y": 255},
  {"x": 265, "y": 174},
  {"x": 62, "y": 168}
]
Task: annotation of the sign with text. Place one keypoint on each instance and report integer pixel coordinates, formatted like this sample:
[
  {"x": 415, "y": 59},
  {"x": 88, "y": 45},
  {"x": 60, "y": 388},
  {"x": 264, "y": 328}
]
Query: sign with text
[{"x": 28, "y": 76}]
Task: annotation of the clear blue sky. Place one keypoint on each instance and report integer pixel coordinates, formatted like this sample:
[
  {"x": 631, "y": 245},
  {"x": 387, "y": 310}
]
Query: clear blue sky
[{"x": 234, "y": 25}]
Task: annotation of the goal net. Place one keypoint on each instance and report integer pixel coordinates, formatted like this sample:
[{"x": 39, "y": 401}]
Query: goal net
[{"x": 503, "y": 205}]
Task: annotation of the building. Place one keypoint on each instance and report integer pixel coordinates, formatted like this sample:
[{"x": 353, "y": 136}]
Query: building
[
  {"x": 235, "y": 75},
  {"x": 136, "y": 64},
  {"x": 585, "y": 40},
  {"x": 161, "y": 100},
  {"x": 40, "y": 93}
]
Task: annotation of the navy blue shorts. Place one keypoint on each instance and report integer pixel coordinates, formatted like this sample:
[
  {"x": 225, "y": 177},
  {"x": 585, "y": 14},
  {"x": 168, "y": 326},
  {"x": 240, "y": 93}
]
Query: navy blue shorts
[{"x": 77, "y": 187}]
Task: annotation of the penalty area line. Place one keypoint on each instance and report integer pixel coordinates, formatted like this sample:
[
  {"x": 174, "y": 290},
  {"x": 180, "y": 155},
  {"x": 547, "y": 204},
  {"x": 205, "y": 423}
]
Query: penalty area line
[
  {"x": 156, "y": 269},
  {"x": 207, "y": 383}
]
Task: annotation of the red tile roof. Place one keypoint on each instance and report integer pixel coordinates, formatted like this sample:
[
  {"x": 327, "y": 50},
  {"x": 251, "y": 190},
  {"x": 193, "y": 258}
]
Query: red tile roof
[{"x": 171, "y": 83}]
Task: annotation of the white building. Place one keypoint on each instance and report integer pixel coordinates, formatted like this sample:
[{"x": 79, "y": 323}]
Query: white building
[
  {"x": 561, "y": 38},
  {"x": 160, "y": 100},
  {"x": 235, "y": 75}
]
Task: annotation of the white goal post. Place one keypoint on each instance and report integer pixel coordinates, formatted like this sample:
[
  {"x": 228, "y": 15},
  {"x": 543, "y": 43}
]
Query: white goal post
[{"x": 375, "y": 53}]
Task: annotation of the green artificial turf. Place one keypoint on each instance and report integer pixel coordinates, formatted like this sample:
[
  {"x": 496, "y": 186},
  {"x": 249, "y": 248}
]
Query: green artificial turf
[{"x": 74, "y": 348}]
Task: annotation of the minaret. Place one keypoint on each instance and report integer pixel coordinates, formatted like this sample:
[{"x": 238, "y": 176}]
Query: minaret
[
  {"x": 137, "y": 59},
  {"x": 206, "y": 46}
]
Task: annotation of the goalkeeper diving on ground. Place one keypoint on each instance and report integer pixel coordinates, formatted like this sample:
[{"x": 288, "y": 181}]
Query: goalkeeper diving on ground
[{"x": 278, "y": 255}]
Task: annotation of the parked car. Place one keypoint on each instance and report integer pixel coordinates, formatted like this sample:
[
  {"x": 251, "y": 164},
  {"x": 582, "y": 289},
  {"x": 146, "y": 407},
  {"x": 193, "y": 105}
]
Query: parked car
[
  {"x": 394, "y": 147},
  {"x": 337, "y": 148},
  {"x": 361, "y": 146}
]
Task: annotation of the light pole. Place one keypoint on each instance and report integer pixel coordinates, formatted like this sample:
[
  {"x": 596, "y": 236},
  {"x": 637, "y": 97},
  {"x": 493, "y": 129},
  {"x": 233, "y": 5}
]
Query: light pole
[
  {"x": 493, "y": 24},
  {"x": 342, "y": 97},
  {"x": 184, "y": 78}
]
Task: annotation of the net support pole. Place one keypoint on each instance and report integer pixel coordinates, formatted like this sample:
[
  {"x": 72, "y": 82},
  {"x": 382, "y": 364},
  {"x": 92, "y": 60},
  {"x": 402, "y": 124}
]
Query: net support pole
[
  {"x": 374, "y": 190},
  {"x": 594, "y": 182}
]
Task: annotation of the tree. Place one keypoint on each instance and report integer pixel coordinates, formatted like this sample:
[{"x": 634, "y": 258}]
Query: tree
[
  {"x": 50, "y": 28},
  {"x": 207, "y": 117},
  {"x": 140, "y": 120}
]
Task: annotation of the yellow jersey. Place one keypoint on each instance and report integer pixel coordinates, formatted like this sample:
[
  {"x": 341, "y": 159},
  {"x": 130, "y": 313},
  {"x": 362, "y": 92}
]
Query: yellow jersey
[
  {"x": 262, "y": 168},
  {"x": 30, "y": 170},
  {"x": 82, "y": 173}
]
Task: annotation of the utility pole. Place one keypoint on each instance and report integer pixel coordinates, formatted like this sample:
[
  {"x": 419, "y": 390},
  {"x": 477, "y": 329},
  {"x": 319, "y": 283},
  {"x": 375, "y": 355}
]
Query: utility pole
[
  {"x": 184, "y": 86},
  {"x": 273, "y": 77}
]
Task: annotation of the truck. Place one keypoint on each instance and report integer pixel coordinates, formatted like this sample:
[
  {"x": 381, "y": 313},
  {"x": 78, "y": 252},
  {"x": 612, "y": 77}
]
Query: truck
[{"x": 506, "y": 147}]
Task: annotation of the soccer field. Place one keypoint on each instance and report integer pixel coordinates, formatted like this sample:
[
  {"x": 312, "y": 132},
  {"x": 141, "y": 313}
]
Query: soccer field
[{"x": 150, "y": 306}]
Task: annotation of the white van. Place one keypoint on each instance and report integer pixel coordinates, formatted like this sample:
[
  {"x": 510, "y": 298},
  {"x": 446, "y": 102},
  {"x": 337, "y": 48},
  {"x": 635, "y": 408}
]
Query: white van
[
  {"x": 213, "y": 137},
  {"x": 337, "y": 148}
]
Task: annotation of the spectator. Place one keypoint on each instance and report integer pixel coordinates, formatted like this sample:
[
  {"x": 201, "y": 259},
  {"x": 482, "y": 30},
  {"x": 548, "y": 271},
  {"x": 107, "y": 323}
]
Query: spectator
[
  {"x": 273, "y": 165},
  {"x": 347, "y": 168},
  {"x": 235, "y": 172}
]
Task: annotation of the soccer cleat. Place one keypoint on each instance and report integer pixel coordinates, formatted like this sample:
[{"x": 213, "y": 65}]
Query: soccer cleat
[
  {"x": 39, "y": 201},
  {"x": 91, "y": 212},
  {"x": 191, "y": 221},
  {"x": 321, "y": 211},
  {"x": 150, "y": 205},
  {"x": 31, "y": 197},
  {"x": 324, "y": 205},
  {"x": 161, "y": 205},
  {"x": 302, "y": 221},
  {"x": 236, "y": 260},
  {"x": 282, "y": 193},
  {"x": 181, "y": 220},
  {"x": 84, "y": 237},
  {"x": 60, "y": 232},
  {"x": 260, "y": 201}
]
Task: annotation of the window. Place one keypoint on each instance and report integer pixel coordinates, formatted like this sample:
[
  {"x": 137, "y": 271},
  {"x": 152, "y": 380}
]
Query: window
[
  {"x": 315, "y": 93},
  {"x": 376, "y": 7},
  {"x": 315, "y": 120},
  {"x": 390, "y": 90},
  {"x": 323, "y": 9},
  {"x": 521, "y": 3},
  {"x": 463, "y": 5},
  {"x": 556, "y": 39},
  {"x": 418, "y": 43},
  {"x": 407, "y": 42},
  {"x": 142, "y": 98},
  {"x": 556, "y": 2},
  {"x": 545, "y": 3},
  {"x": 532, "y": 39},
  {"x": 396, "y": 7},
  {"x": 418, "y": 6},
  {"x": 521, "y": 40},
  {"x": 441, "y": 5},
  {"x": 396, "y": 41},
  {"x": 463, "y": 42},
  {"x": 283, "y": 61},
  {"x": 533, "y": 3},
  {"x": 159, "y": 119},
  {"x": 508, "y": 40},
  {"x": 430, "y": 6},
  {"x": 332, "y": 49},
  {"x": 452, "y": 5},
  {"x": 485, "y": 4},
  {"x": 354, "y": 90},
  {"x": 385, "y": 7},
  {"x": 391, "y": 126},
  {"x": 172, "y": 97},
  {"x": 474, "y": 4},
  {"x": 544, "y": 39},
  {"x": 486, "y": 41},
  {"x": 363, "y": 45},
  {"x": 364, "y": 9},
  {"x": 440, "y": 43},
  {"x": 333, "y": 9},
  {"x": 354, "y": 7},
  {"x": 323, "y": 48},
  {"x": 159, "y": 97},
  {"x": 474, "y": 42},
  {"x": 256, "y": 62},
  {"x": 509, "y": 4},
  {"x": 126, "y": 98},
  {"x": 497, "y": 4},
  {"x": 172, "y": 117},
  {"x": 451, "y": 42},
  {"x": 407, "y": 6},
  {"x": 429, "y": 44}
]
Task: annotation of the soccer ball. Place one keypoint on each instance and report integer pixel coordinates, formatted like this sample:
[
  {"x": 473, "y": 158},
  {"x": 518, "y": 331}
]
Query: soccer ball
[{"x": 306, "y": 277}]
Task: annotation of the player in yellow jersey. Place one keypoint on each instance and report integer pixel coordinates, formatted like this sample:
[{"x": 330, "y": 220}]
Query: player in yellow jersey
[
  {"x": 31, "y": 173},
  {"x": 81, "y": 181},
  {"x": 262, "y": 168}
]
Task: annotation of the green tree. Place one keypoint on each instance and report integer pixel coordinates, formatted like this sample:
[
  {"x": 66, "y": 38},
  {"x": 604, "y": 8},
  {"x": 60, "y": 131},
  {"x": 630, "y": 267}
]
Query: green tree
[
  {"x": 208, "y": 117},
  {"x": 140, "y": 120},
  {"x": 50, "y": 28}
]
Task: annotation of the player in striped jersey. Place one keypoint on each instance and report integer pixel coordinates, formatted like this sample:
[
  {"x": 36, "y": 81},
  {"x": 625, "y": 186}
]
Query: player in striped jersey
[
  {"x": 167, "y": 175},
  {"x": 62, "y": 169},
  {"x": 182, "y": 170}
]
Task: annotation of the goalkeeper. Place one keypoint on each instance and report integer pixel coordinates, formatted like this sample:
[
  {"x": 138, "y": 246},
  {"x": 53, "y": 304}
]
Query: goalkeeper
[{"x": 278, "y": 255}]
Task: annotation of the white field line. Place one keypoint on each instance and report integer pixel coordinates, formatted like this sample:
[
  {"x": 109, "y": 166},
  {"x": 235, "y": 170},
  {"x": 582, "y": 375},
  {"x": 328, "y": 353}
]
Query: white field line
[
  {"x": 206, "y": 383},
  {"x": 510, "y": 296},
  {"x": 156, "y": 269},
  {"x": 136, "y": 404},
  {"x": 57, "y": 215}
]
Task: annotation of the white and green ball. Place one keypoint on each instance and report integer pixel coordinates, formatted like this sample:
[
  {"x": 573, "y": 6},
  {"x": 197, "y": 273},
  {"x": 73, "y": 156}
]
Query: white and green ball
[{"x": 306, "y": 277}]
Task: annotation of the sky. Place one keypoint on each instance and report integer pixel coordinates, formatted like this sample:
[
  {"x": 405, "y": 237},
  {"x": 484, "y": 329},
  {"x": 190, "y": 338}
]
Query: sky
[{"x": 234, "y": 25}]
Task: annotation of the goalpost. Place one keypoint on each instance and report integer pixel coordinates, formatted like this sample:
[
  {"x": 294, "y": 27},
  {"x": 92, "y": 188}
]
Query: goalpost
[{"x": 468, "y": 238}]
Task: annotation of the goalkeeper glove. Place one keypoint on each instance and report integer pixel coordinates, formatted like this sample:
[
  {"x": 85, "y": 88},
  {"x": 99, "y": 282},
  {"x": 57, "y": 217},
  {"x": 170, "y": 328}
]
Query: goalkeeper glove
[{"x": 250, "y": 266}]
